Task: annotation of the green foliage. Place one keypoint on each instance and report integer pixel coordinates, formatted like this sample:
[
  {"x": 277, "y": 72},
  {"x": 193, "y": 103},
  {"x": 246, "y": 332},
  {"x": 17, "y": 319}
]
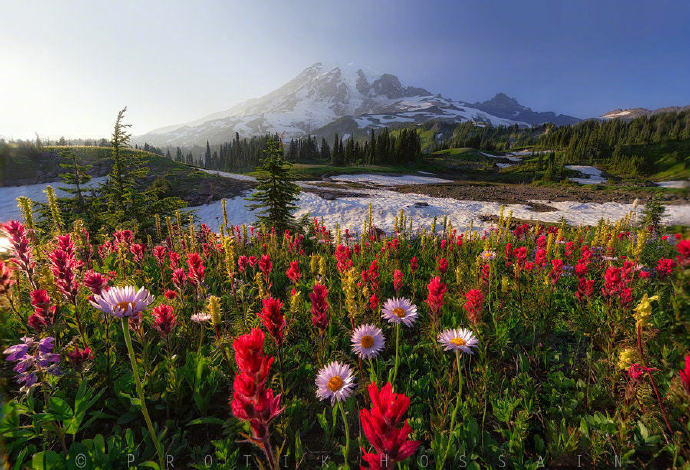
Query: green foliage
[{"x": 653, "y": 212}]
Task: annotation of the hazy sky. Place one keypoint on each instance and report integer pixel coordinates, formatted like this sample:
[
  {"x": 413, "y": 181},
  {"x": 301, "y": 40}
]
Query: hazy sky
[{"x": 66, "y": 67}]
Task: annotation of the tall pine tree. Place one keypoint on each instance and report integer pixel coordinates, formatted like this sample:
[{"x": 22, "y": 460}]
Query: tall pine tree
[{"x": 275, "y": 196}]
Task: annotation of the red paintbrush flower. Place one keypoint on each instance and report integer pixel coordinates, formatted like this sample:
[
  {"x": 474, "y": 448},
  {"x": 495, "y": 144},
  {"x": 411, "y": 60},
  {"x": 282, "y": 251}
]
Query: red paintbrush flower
[
  {"x": 64, "y": 266},
  {"x": 585, "y": 288},
  {"x": 164, "y": 319},
  {"x": 265, "y": 265},
  {"x": 294, "y": 273},
  {"x": 21, "y": 249},
  {"x": 343, "y": 256},
  {"x": 473, "y": 305},
  {"x": 664, "y": 267},
  {"x": 77, "y": 357},
  {"x": 274, "y": 321},
  {"x": 160, "y": 253},
  {"x": 137, "y": 250},
  {"x": 397, "y": 281},
  {"x": 196, "y": 268},
  {"x": 6, "y": 281},
  {"x": 436, "y": 290},
  {"x": 379, "y": 426},
  {"x": 556, "y": 270},
  {"x": 442, "y": 265},
  {"x": 251, "y": 400},
  {"x": 95, "y": 282},
  {"x": 683, "y": 248},
  {"x": 319, "y": 306},
  {"x": 685, "y": 374},
  {"x": 179, "y": 278}
]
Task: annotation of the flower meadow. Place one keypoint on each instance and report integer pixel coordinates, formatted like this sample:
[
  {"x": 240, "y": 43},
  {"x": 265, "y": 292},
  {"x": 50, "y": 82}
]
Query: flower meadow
[{"x": 520, "y": 347}]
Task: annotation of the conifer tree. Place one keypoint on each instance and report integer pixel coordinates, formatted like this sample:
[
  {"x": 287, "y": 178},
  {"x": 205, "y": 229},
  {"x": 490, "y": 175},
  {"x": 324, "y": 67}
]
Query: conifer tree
[
  {"x": 76, "y": 175},
  {"x": 275, "y": 196}
]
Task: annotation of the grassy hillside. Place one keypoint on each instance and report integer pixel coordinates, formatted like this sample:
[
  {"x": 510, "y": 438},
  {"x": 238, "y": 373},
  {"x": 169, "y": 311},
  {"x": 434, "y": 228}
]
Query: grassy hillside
[{"x": 28, "y": 165}]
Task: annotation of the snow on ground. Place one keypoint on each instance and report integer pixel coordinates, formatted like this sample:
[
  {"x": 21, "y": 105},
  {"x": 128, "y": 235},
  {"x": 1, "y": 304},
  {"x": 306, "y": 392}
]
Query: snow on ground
[
  {"x": 235, "y": 176},
  {"x": 592, "y": 175},
  {"x": 675, "y": 184},
  {"x": 9, "y": 195},
  {"x": 510, "y": 157},
  {"x": 389, "y": 180},
  {"x": 349, "y": 212},
  {"x": 504, "y": 165}
]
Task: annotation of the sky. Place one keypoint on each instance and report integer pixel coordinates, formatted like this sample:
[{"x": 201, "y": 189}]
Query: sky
[{"x": 67, "y": 67}]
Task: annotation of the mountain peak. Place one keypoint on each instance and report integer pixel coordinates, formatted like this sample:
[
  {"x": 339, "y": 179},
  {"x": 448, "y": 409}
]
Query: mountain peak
[
  {"x": 504, "y": 106},
  {"x": 344, "y": 98}
]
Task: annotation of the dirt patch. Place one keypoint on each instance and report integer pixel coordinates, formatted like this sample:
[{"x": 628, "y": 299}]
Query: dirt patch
[{"x": 523, "y": 193}]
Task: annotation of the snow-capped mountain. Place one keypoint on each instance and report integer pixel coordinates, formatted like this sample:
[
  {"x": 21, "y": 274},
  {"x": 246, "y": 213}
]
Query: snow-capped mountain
[{"x": 320, "y": 97}]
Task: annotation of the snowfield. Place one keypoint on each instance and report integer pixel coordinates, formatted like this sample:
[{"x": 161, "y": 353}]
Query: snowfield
[
  {"x": 224, "y": 174},
  {"x": 389, "y": 180},
  {"x": 386, "y": 204},
  {"x": 592, "y": 175},
  {"x": 349, "y": 212},
  {"x": 9, "y": 195},
  {"x": 675, "y": 184}
]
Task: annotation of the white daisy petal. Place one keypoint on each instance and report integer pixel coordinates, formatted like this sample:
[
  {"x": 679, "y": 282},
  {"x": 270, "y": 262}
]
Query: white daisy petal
[
  {"x": 334, "y": 381},
  {"x": 367, "y": 341},
  {"x": 458, "y": 339},
  {"x": 399, "y": 311}
]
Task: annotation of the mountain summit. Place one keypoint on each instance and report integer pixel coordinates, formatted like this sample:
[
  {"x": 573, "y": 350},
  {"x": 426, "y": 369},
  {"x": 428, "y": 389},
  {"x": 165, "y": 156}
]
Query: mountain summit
[
  {"x": 346, "y": 99},
  {"x": 506, "y": 107}
]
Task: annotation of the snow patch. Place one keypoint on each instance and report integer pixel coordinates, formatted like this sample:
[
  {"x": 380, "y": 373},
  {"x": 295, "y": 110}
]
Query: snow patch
[
  {"x": 675, "y": 184},
  {"x": 224, "y": 174},
  {"x": 592, "y": 175},
  {"x": 349, "y": 212}
]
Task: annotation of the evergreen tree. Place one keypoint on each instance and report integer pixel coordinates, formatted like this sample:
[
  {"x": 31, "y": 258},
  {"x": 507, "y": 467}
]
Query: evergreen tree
[
  {"x": 325, "y": 151},
  {"x": 76, "y": 175},
  {"x": 275, "y": 196}
]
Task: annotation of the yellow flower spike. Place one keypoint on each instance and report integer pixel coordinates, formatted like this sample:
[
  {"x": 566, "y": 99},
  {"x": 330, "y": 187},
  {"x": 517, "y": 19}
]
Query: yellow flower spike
[
  {"x": 505, "y": 284},
  {"x": 625, "y": 358},
  {"x": 644, "y": 310},
  {"x": 213, "y": 308}
]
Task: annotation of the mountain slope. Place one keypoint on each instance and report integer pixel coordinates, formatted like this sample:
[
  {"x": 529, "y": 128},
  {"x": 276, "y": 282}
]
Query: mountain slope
[
  {"x": 506, "y": 107},
  {"x": 632, "y": 113},
  {"x": 323, "y": 97}
]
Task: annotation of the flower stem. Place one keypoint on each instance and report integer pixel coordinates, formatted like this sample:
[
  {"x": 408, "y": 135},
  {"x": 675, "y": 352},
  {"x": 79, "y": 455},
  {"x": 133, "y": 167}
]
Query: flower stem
[
  {"x": 346, "y": 452},
  {"x": 451, "y": 430},
  {"x": 397, "y": 344},
  {"x": 140, "y": 392}
]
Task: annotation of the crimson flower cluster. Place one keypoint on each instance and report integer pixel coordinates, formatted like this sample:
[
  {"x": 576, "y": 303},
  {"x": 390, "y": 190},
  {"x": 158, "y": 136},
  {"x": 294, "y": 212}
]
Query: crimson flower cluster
[
  {"x": 319, "y": 306},
  {"x": 64, "y": 266},
  {"x": 434, "y": 299},
  {"x": 19, "y": 239},
  {"x": 164, "y": 319},
  {"x": 251, "y": 400},
  {"x": 293, "y": 272},
  {"x": 380, "y": 427},
  {"x": 6, "y": 281},
  {"x": 44, "y": 312},
  {"x": 473, "y": 305},
  {"x": 196, "y": 268},
  {"x": 273, "y": 319}
]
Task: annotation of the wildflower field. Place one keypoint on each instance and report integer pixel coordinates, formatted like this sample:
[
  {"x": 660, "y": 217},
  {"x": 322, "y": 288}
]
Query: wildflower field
[{"x": 521, "y": 347}]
